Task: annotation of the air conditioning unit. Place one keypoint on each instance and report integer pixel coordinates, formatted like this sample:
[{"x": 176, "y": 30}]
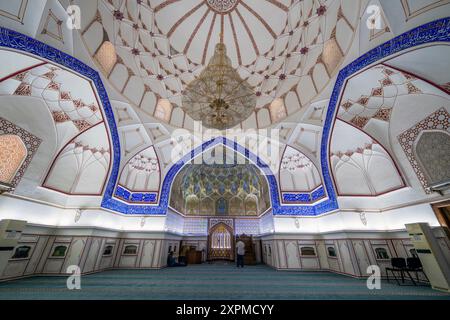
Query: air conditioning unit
[
  {"x": 440, "y": 187},
  {"x": 5, "y": 187}
]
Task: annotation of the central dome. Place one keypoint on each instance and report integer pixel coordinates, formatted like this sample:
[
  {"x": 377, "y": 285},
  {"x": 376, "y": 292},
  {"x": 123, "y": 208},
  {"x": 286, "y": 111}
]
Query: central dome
[
  {"x": 286, "y": 52},
  {"x": 222, "y": 6},
  {"x": 248, "y": 28}
]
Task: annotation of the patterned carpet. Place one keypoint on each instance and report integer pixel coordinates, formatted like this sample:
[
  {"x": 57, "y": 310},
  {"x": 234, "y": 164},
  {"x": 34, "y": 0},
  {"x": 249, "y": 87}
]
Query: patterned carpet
[{"x": 221, "y": 282}]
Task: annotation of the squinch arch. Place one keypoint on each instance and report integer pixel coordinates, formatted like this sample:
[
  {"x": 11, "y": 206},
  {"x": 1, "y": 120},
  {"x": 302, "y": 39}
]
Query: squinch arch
[{"x": 277, "y": 207}]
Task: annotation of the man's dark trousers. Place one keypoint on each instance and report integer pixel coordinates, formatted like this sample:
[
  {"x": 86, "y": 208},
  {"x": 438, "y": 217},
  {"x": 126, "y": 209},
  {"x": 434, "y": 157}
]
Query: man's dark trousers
[{"x": 240, "y": 260}]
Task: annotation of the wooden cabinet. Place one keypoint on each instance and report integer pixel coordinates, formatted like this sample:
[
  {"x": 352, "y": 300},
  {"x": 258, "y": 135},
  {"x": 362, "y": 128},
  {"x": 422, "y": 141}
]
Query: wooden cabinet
[{"x": 194, "y": 257}]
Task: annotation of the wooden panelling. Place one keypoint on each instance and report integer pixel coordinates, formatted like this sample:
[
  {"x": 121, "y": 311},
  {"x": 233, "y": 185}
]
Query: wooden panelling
[{"x": 87, "y": 253}]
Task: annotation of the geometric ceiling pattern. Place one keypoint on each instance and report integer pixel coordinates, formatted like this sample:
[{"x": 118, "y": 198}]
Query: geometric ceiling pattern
[
  {"x": 233, "y": 189},
  {"x": 289, "y": 51},
  {"x": 430, "y": 160},
  {"x": 286, "y": 50},
  {"x": 360, "y": 165},
  {"x": 12, "y": 155},
  {"x": 82, "y": 152},
  {"x": 18, "y": 148},
  {"x": 299, "y": 176},
  {"x": 140, "y": 178},
  {"x": 370, "y": 98},
  {"x": 74, "y": 108},
  {"x": 368, "y": 103},
  {"x": 340, "y": 148},
  {"x": 82, "y": 166}
]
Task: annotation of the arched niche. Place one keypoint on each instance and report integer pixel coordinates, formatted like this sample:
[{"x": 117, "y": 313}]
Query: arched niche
[
  {"x": 432, "y": 149},
  {"x": 416, "y": 141},
  {"x": 192, "y": 205},
  {"x": 236, "y": 206},
  {"x": 75, "y": 105},
  {"x": 221, "y": 187},
  {"x": 251, "y": 205}
]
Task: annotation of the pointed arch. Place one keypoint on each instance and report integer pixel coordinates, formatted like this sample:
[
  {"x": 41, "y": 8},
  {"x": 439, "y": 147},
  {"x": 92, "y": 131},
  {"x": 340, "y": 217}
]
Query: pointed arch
[{"x": 277, "y": 207}]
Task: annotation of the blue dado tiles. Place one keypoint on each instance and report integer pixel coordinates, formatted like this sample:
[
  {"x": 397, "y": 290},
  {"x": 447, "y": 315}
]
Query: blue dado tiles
[
  {"x": 135, "y": 197},
  {"x": 305, "y": 198}
]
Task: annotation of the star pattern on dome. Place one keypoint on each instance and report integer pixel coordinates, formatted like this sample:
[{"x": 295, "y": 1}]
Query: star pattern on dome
[{"x": 283, "y": 50}]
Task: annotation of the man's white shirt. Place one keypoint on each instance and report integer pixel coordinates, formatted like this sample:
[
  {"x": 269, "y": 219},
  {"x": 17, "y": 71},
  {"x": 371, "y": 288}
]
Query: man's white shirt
[{"x": 240, "y": 248}]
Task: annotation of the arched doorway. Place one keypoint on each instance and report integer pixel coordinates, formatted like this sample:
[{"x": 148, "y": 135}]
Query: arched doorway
[{"x": 221, "y": 242}]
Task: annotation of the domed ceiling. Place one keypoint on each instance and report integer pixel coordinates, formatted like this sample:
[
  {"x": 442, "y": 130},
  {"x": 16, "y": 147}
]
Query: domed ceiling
[
  {"x": 114, "y": 150},
  {"x": 286, "y": 50}
]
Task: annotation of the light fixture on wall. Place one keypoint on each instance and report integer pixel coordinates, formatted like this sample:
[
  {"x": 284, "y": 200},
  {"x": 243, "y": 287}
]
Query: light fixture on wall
[
  {"x": 78, "y": 214},
  {"x": 219, "y": 97},
  {"x": 363, "y": 218},
  {"x": 6, "y": 187}
]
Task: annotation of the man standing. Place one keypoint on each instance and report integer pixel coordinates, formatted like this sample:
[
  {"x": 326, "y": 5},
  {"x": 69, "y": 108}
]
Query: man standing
[{"x": 240, "y": 250}]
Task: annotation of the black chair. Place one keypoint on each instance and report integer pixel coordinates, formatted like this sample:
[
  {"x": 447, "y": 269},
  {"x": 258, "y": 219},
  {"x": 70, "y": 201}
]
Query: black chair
[
  {"x": 414, "y": 265},
  {"x": 399, "y": 265}
]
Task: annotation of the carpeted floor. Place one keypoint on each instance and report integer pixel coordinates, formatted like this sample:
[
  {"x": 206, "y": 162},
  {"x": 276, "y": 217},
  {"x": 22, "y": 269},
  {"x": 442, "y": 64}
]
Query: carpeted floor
[{"x": 221, "y": 282}]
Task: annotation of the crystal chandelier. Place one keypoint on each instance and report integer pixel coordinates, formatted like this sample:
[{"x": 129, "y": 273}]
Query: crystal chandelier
[{"x": 219, "y": 97}]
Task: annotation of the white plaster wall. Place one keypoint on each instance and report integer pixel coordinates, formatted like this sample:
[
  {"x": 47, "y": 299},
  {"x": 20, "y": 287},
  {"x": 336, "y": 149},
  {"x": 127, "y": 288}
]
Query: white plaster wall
[
  {"x": 47, "y": 215},
  {"x": 42, "y": 214},
  {"x": 351, "y": 220}
]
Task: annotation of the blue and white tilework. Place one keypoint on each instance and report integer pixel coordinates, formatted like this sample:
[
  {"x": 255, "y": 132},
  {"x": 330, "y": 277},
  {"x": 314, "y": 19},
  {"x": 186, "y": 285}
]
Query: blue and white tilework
[{"x": 436, "y": 31}]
